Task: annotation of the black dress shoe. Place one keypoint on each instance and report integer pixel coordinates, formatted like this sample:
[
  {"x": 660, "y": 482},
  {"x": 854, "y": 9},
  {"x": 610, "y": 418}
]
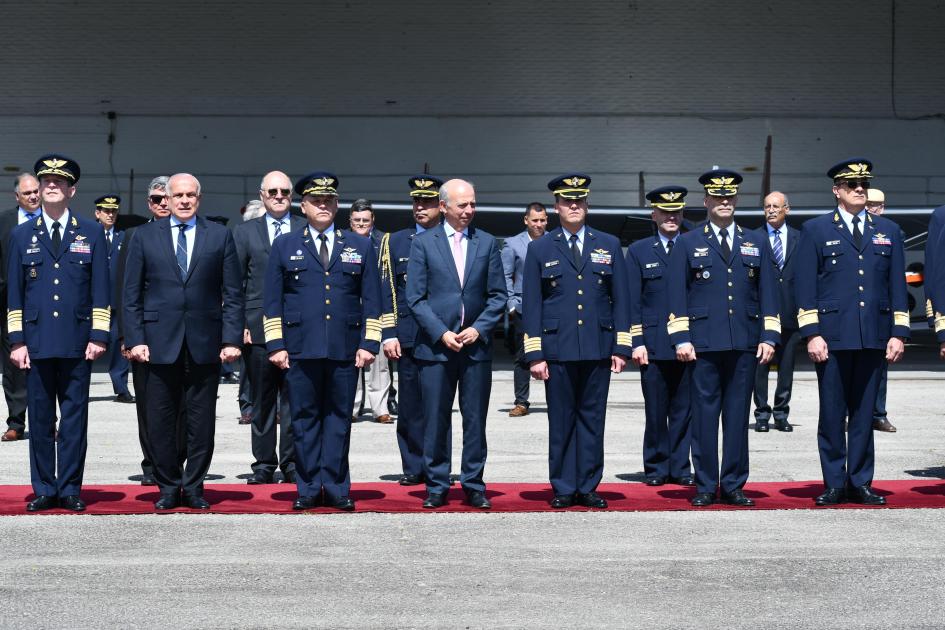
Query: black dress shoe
[
  {"x": 392, "y": 408},
  {"x": 655, "y": 481},
  {"x": 167, "y": 502},
  {"x": 411, "y": 480},
  {"x": 72, "y": 502},
  {"x": 197, "y": 503},
  {"x": 478, "y": 500},
  {"x": 592, "y": 500},
  {"x": 259, "y": 478},
  {"x": 289, "y": 476},
  {"x": 682, "y": 481},
  {"x": 865, "y": 496},
  {"x": 761, "y": 427},
  {"x": 831, "y": 496},
  {"x": 148, "y": 480},
  {"x": 341, "y": 503},
  {"x": 783, "y": 425},
  {"x": 702, "y": 499},
  {"x": 124, "y": 398},
  {"x": 42, "y": 502},
  {"x": 306, "y": 503},
  {"x": 884, "y": 425},
  {"x": 737, "y": 498},
  {"x": 434, "y": 500},
  {"x": 562, "y": 501}
]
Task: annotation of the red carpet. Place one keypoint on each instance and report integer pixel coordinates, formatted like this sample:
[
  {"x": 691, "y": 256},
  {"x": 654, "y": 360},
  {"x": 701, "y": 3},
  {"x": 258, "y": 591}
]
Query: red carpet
[{"x": 505, "y": 497}]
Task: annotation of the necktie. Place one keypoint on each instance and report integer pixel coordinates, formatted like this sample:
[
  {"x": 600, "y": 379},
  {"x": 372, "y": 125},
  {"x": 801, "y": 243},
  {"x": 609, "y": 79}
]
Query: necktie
[
  {"x": 778, "y": 249},
  {"x": 857, "y": 235},
  {"x": 277, "y": 229},
  {"x": 108, "y": 237},
  {"x": 56, "y": 237},
  {"x": 323, "y": 250},
  {"x": 30, "y": 216},
  {"x": 182, "y": 250},
  {"x": 575, "y": 251},
  {"x": 458, "y": 255},
  {"x": 726, "y": 250},
  {"x": 669, "y": 247}
]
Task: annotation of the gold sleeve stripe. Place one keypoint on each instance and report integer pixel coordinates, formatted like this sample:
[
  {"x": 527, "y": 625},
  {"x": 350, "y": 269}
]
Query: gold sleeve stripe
[
  {"x": 101, "y": 319},
  {"x": 388, "y": 320},
  {"x": 677, "y": 325},
  {"x": 807, "y": 317},
  {"x": 372, "y": 324},
  {"x": 372, "y": 335},
  {"x": 900, "y": 318},
  {"x": 773, "y": 323},
  {"x": 273, "y": 328},
  {"x": 636, "y": 330},
  {"x": 15, "y": 320},
  {"x": 939, "y": 323},
  {"x": 928, "y": 309},
  {"x": 624, "y": 339},
  {"x": 532, "y": 344}
]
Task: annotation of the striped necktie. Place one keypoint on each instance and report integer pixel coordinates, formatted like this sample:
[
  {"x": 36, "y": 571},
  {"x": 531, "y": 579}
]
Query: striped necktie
[{"x": 778, "y": 249}]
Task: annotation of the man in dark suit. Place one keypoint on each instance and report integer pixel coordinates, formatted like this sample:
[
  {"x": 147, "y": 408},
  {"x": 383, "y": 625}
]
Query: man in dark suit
[
  {"x": 456, "y": 290},
  {"x": 157, "y": 205},
  {"x": 254, "y": 240},
  {"x": 26, "y": 191},
  {"x": 400, "y": 326},
  {"x": 58, "y": 319},
  {"x": 667, "y": 438},
  {"x": 935, "y": 277},
  {"x": 182, "y": 319},
  {"x": 106, "y": 213},
  {"x": 781, "y": 241}
]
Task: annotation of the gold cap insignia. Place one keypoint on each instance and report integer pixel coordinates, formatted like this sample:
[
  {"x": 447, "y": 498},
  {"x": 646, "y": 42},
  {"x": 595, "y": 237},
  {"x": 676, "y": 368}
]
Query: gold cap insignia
[
  {"x": 423, "y": 183},
  {"x": 671, "y": 196},
  {"x": 574, "y": 181},
  {"x": 54, "y": 163},
  {"x": 110, "y": 200},
  {"x": 723, "y": 181}
]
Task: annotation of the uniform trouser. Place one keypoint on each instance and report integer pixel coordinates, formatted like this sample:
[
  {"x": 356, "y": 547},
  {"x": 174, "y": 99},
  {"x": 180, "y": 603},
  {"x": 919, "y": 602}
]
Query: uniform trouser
[
  {"x": 521, "y": 375},
  {"x": 410, "y": 423},
  {"x": 270, "y": 395},
  {"x": 721, "y": 385},
  {"x": 57, "y": 465},
  {"x": 879, "y": 409},
  {"x": 14, "y": 383},
  {"x": 321, "y": 392},
  {"x": 246, "y": 395},
  {"x": 666, "y": 436},
  {"x": 784, "y": 356},
  {"x": 117, "y": 365},
  {"x": 848, "y": 379},
  {"x": 440, "y": 381},
  {"x": 139, "y": 377},
  {"x": 576, "y": 392},
  {"x": 376, "y": 386},
  {"x": 182, "y": 396}
]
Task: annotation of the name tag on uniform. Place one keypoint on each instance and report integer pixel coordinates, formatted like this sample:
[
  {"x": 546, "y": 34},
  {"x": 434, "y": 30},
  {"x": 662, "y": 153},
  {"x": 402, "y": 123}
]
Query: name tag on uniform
[
  {"x": 829, "y": 243},
  {"x": 80, "y": 248},
  {"x": 32, "y": 250},
  {"x": 651, "y": 265},
  {"x": 350, "y": 255},
  {"x": 881, "y": 239},
  {"x": 297, "y": 257},
  {"x": 750, "y": 250},
  {"x": 551, "y": 263},
  {"x": 601, "y": 256},
  {"x": 403, "y": 260}
]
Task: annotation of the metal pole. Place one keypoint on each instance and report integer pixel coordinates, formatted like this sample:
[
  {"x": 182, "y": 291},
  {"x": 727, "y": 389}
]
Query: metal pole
[
  {"x": 766, "y": 176},
  {"x": 641, "y": 185}
]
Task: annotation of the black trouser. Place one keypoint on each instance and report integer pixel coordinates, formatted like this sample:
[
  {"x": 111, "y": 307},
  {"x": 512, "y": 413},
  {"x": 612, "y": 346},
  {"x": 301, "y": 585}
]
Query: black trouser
[
  {"x": 14, "y": 383},
  {"x": 180, "y": 395},
  {"x": 784, "y": 357},
  {"x": 270, "y": 394},
  {"x": 520, "y": 371}
]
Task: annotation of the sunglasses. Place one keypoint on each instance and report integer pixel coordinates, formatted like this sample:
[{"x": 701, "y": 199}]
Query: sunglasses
[
  {"x": 853, "y": 185},
  {"x": 273, "y": 192},
  {"x": 156, "y": 199}
]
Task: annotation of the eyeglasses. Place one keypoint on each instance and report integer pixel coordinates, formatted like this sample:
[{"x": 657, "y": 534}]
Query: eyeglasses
[
  {"x": 156, "y": 199},
  {"x": 274, "y": 192},
  {"x": 853, "y": 185}
]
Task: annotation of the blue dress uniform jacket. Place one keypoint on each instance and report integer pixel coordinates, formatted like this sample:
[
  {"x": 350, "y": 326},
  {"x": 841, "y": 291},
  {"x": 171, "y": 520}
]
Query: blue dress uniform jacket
[
  {"x": 935, "y": 274},
  {"x": 665, "y": 381},
  {"x": 576, "y": 317},
  {"x": 397, "y": 318},
  {"x": 321, "y": 317},
  {"x": 725, "y": 308},
  {"x": 855, "y": 298},
  {"x": 57, "y": 303}
]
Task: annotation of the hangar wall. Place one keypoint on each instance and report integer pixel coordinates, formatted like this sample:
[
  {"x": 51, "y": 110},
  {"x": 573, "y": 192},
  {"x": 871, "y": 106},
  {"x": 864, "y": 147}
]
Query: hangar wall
[{"x": 507, "y": 94}]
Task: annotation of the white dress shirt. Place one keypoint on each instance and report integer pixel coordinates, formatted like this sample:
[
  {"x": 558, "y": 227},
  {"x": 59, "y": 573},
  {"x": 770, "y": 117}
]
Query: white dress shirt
[
  {"x": 63, "y": 223},
  {"x": 271, "y": 225},
  {"x": 848, "y": 219},
  {"x": 580, "y": 238},
  {"x": 329, "y": 234}
]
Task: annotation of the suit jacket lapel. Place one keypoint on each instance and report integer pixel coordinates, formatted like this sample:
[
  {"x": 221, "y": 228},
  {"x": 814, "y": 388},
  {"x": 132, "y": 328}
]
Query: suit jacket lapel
[
  {"x": 842, "y": 228},
  {"x": 562, "y": 242},
  {"x": 713, "y": 242},
  {"x": 308, "y": 242},
  {"x": 660, "y": 250},
  {"x": 170, "y": 245},
  {"x": 262, "y": 229},
  {"x": 200, "y": 244},
  {"x": 792, "y": 236},
  {"x": 442, "y": 244},
  {"x": 590, "y": 240},
  {"x": 471, "y": 248},
  {"x": 69, "y": 232}
]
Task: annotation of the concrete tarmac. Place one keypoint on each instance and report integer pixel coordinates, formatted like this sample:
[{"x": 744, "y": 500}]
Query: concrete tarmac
[{"x": 767, "y": 569}]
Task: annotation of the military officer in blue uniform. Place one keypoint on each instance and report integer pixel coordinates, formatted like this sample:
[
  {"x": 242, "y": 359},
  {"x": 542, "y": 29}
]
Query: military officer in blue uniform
[
  {"x": 400, "y": 327},
  {"x": 853, "y": 312},
  {"x": 321, "y": 321},
  {"x": 665, "y": 381},
  {"x": 58, "y": 316},
  {"x": 935, "y": 276},
  {"x": 576, "y": 307},
  {"x": 723, "y": 317}
]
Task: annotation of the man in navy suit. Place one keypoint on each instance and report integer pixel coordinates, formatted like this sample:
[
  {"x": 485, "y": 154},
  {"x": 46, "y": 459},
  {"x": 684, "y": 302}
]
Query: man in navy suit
[
  {"x": 723, "y": 317},
  {"x": 781, "y": 241},
  {"x": 665, "y": 381},
  {"x": 456, "y": 290},
  {"x": 267, "y": 382},
  {"x": 183, "y": 304},
  {"x": 853, "y": 311},
  {"x": 400, "y": 326},
  {"x": 106, "y": 213},
  {"x": 513, "y": 263}
]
